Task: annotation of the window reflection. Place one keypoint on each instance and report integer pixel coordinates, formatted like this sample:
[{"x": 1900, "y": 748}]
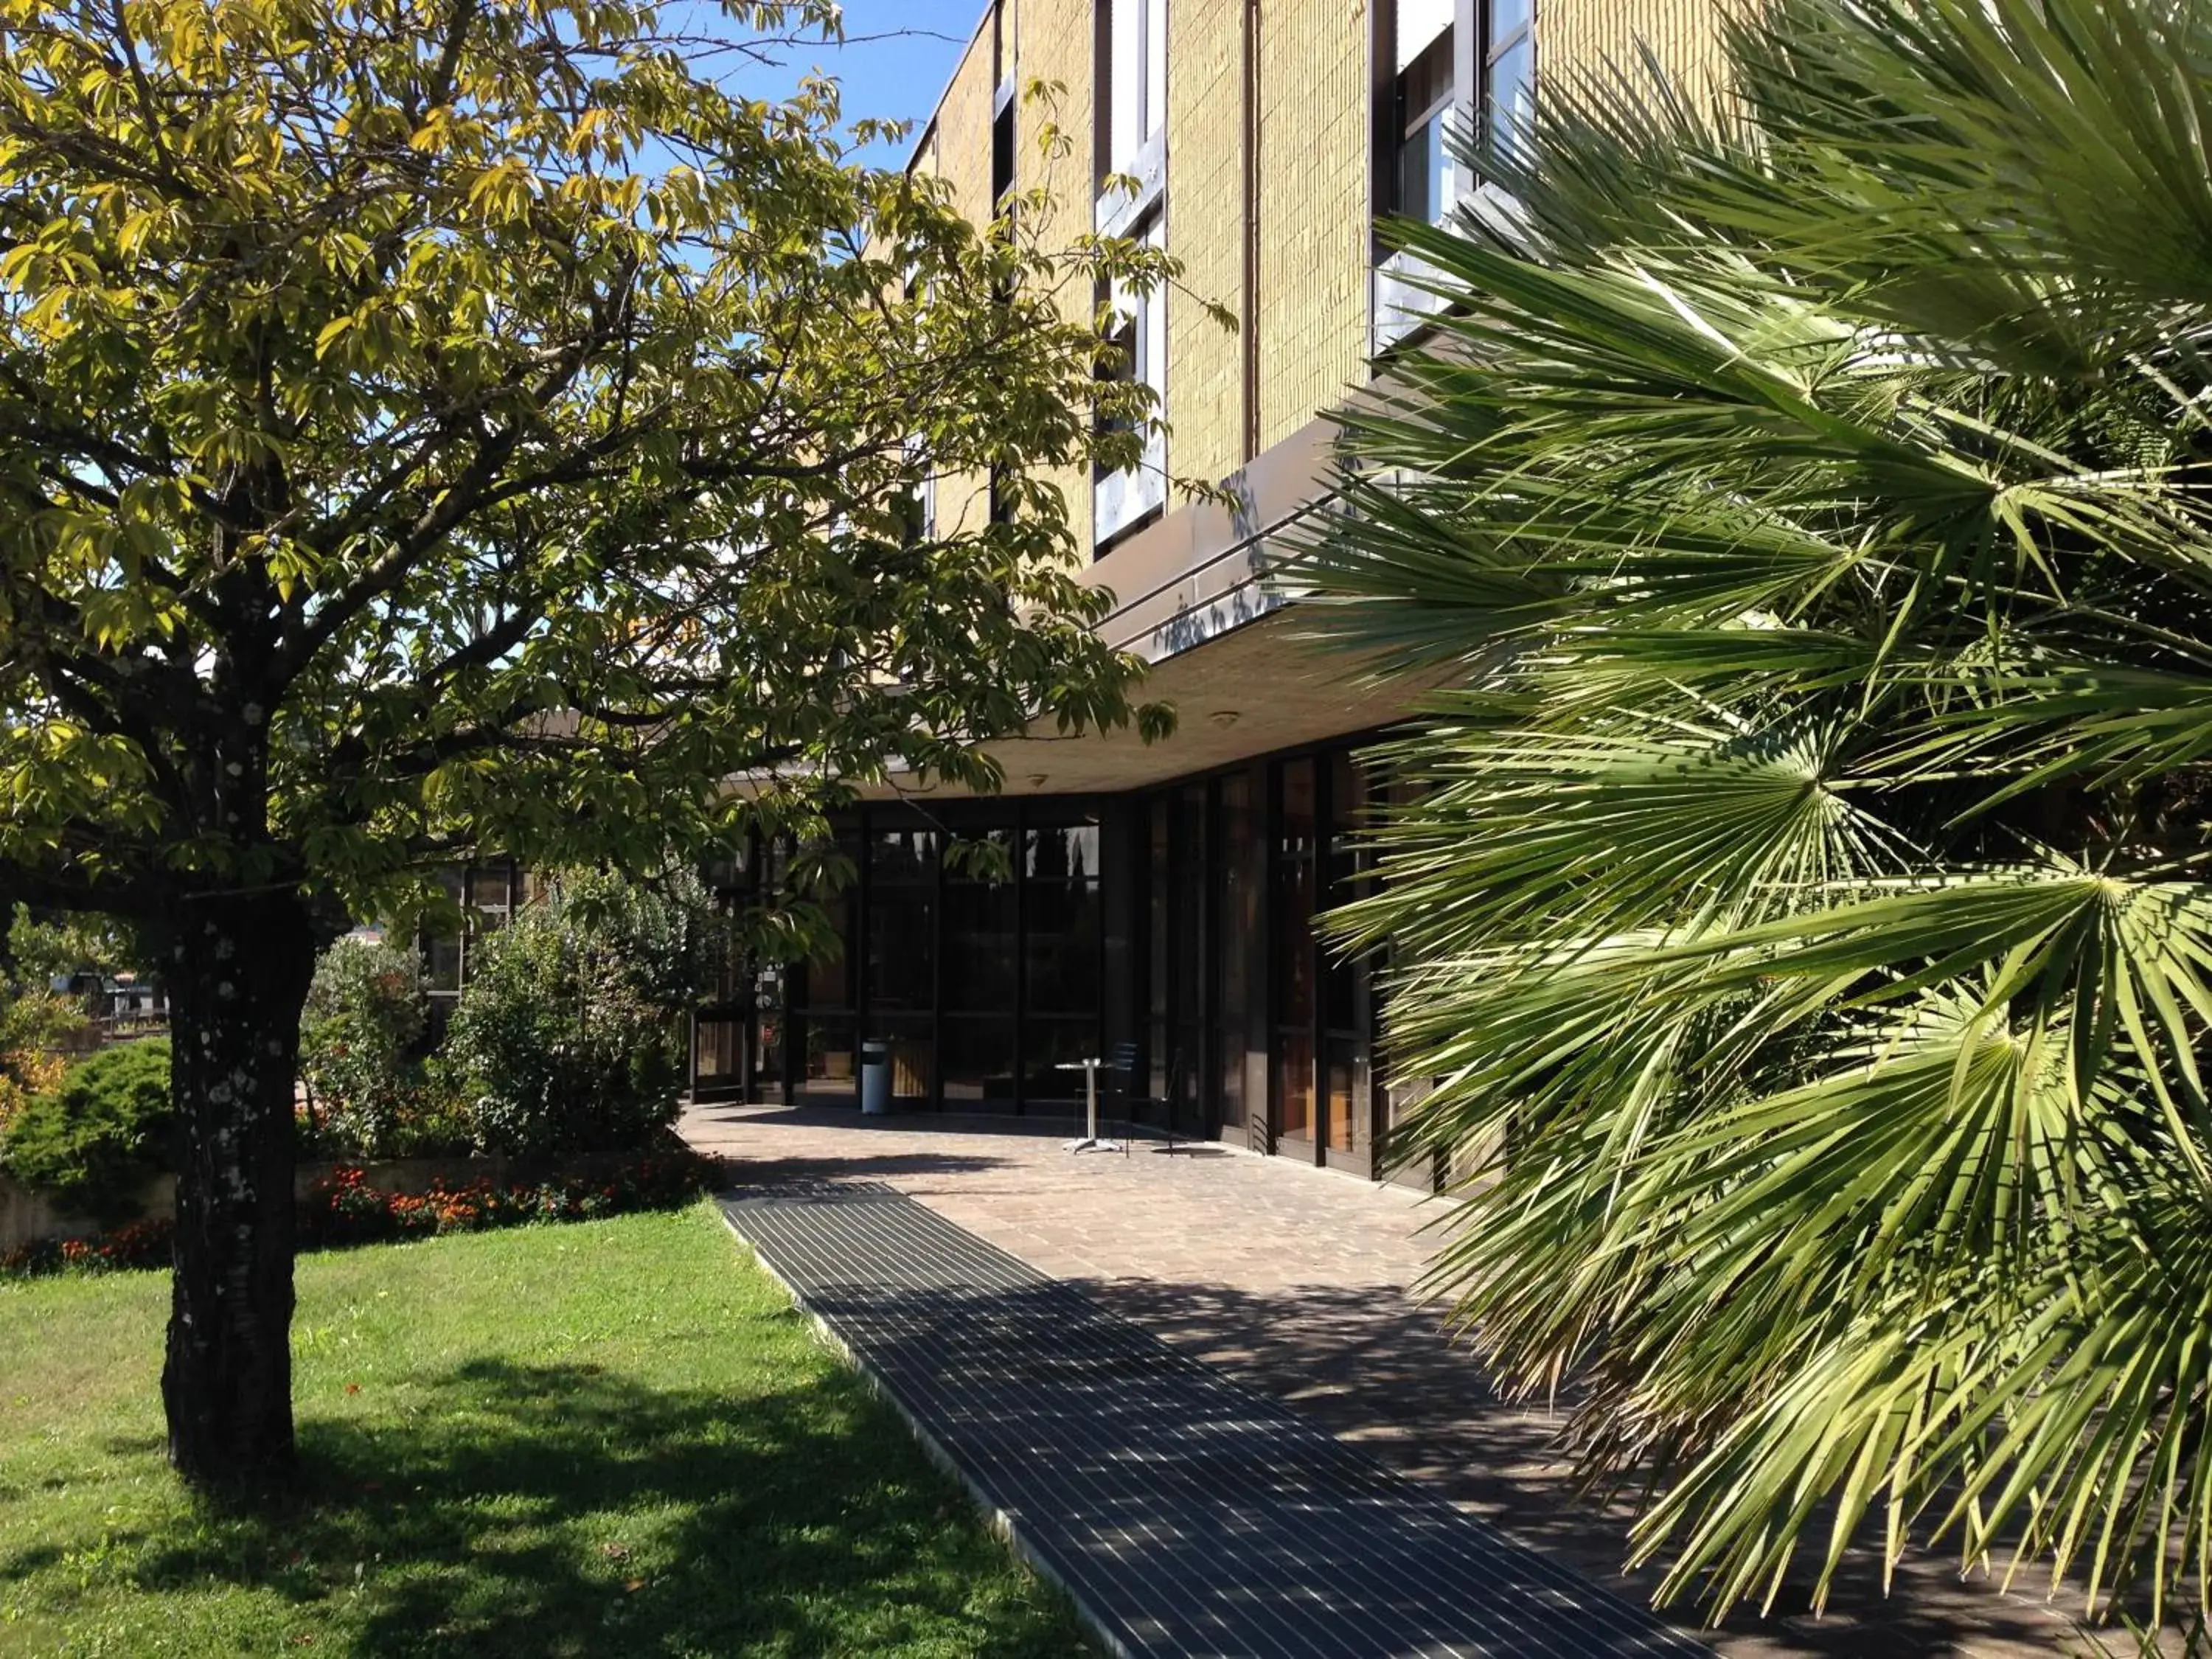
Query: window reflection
[
  {"x": 1067, "y": 853},
  {"x": 1508, "y": 90},
  {"x": 1424, "y": 103},
  {"x": 827, "y": 1055},
  {"x": 979, "y": 947}
]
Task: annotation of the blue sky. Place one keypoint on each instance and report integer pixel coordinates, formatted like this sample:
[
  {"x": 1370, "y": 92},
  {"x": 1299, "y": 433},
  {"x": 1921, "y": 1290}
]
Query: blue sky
[{"x": 899, "y": 55}]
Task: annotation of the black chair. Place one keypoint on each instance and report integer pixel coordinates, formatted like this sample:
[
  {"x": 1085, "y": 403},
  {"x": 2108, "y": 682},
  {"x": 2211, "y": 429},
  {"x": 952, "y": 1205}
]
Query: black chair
[{"x": 1121, "y": 1063}]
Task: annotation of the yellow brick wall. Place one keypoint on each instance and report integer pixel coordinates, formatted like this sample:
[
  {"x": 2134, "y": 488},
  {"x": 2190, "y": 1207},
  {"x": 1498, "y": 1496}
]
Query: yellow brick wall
[
  {"x": 1205, "y": 231},
  {"x": 1314, "y": 170},
  {"x": 963, "y": 129},
  {"x": 1053, "y": 40},
  {"x": 1314, "y": 221},
  {"x": 1683, "y": 34},
  {"x": 958, "y": 149}
]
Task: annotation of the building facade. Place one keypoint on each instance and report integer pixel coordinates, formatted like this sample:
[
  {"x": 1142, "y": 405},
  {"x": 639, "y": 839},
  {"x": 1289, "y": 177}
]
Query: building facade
[{"x": 1154, "y": 906}]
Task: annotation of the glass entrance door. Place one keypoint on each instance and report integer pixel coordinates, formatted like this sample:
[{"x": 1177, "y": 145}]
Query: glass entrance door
[
  {"x": 1322, "y": 1093},
  {"x": 1180, "y": 984},
  {"x": 1346, "y": 1080},
  {"x": 1290, "y": 891}
]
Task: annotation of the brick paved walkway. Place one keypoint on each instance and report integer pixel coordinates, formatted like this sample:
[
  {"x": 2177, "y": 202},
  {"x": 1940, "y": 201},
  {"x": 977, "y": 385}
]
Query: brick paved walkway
[{"x": 1295, "y": 1281}]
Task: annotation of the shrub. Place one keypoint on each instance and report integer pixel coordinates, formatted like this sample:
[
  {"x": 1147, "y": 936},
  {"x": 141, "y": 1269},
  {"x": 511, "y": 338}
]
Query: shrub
[
  {"x": 96, "y": 1138},
  {"x": 569, "y": 1035},
  {"x": 35, "y": 1027},
  {"x": 361, "y": 1041}
]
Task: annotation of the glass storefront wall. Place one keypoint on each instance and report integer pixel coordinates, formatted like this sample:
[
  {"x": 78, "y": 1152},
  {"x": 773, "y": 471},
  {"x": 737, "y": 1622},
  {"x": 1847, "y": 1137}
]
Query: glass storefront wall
[
  {"x": 1258, "y": 1029},
  {"x": 979, "y": 937},
  {"x": 973, "y": 944}
]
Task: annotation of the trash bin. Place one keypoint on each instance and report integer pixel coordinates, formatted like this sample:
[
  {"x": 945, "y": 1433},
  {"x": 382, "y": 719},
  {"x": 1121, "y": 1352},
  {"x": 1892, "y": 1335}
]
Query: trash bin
[{"x": 875, "y": 1078}]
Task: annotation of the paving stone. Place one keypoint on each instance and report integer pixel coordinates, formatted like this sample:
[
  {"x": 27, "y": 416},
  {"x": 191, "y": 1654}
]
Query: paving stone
[{"x": 1306, "y": 1285}]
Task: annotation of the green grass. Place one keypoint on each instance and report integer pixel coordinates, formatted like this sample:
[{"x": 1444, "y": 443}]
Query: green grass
[{"x": 608, "y": 1438}]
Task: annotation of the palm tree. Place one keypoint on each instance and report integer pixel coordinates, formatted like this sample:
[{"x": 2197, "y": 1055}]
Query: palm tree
[{"x": 1804, "y": 910}]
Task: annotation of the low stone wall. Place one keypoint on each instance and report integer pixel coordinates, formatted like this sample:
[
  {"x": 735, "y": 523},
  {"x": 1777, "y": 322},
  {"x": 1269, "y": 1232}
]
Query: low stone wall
[{"x": 27, "y": 1216}]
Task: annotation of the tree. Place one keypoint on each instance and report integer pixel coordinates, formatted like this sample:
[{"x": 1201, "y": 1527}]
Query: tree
[
  {"x": 38, "y": 950},
  {"x": 437, "y": 425},
  {"x": 1803, "y": 908}
]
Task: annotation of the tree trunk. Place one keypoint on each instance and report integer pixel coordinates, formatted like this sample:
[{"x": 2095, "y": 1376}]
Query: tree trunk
[{"x": 238, "y": 973}]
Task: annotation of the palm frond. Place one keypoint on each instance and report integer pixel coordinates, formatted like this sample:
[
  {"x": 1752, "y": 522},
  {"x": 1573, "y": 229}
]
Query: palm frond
[{"x": 1801, "y": 919}]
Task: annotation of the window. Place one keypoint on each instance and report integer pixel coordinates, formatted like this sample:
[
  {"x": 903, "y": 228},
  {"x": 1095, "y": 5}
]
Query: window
[
  {"x": 1005, "y": 63},
  {"x": 1004, "y": 41},
  {"x": 1437, "y": 64},
  {"x": 1426, "y": 36},
  {"x": 486, "y": 895},
  {"x": 973, "y": 948},
  {"x": 1134, "y": 65},
  {"x": 1138, "y": 337},
  {"x": 1422, "y": 96},
  {"x": 1509, "y": 68},
  {"x": 1002, "y": 156}
]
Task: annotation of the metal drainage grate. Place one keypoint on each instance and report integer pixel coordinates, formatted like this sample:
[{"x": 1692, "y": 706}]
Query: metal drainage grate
[{"x": 1185, "y": 1514}]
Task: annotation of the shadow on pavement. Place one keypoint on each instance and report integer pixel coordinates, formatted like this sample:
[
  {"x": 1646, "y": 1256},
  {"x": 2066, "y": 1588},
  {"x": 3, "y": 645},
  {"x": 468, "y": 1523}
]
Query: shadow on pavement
[{"x": 1331, "y": 1352}]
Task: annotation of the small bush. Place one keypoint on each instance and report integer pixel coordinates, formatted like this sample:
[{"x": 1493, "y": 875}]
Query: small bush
[
  {"x": 570, "y": 1036},
  {"x": 35, "y": 1027},
  {"x": 361, "y": 1041},
  {"x": 96, "y": 1139}
]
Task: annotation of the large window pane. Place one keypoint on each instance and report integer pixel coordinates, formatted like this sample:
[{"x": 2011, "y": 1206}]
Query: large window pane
[
  {"x": 1509, "y": 102},
  {"x": 1424, "y": 103},
  {"x": 1062, "y": 947},
  {"x": 827, "y": 981},
  {"x": 902, "y": 921},
  {"x": 1291, "y": 906},
  {"x": 1343, "y": 980},
  {"x": 1293, "y": 941},
  {"x": 829, "y": 1064},
  {"x": 1294, "y": 1084},
  {"x": 1238, "y": 837},
  {"x": 768, "y": 1029},
  {"x": 1063, "y": 852},
  {"x": 902, "y": 856},
  {"x": 1161, "y": 941},
  {"x": 913, "y": 1054},
  {"x": 978, "y": 1053},
  {"x": 717, "y": 1048},
  {"x": 1050, "y": 1051},
  {"x": 1296, "y": 778},
  {"x": 979, "y": 947},
  {"x": 1425, "y": 172},
  {"x": 1061, "y": 919},
  {"x": 1345, "y": 1077},
  {"x": 441, "y": 942},
  {"x": 444, "y": 972},
  {"x": 902, "y": 948}
]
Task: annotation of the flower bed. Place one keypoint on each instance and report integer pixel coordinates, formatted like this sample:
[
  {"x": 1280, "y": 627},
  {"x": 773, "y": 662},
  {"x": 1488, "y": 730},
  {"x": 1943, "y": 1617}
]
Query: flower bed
[
  {"x": 346, "y": 1207},
  {"x": 135, "y": 1244}
]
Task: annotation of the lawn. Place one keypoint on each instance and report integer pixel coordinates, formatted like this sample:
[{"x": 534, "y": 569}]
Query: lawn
[{"x": 612, "y": 1437}]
